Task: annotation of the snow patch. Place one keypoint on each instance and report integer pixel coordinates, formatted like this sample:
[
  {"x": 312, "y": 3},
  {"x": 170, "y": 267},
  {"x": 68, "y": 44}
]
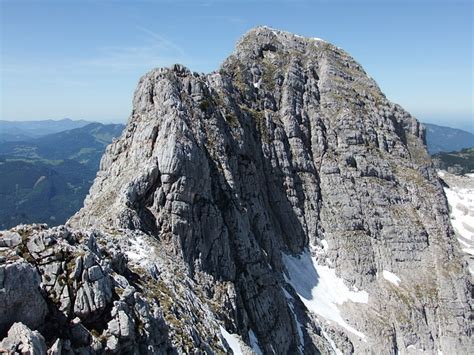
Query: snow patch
[
  {"x": 331, "y": 342},
  {"x": 414, "y": 348},
  {"x": 139, "y": 251},
  {"x": 460, "y": 195},
  {"x": 320, "y": 289},
  {"x": 254, "y": 343},
  {"x": 257, "y": 84},
  {"x": 319, "y": 39},
  {"x": 325, "y": 244},
  {"x": 461, "y": 203},
  {"x": 299, "y": 326},
  {"x": 232, "y": 340},
  {"x": 391, "y": 277}
]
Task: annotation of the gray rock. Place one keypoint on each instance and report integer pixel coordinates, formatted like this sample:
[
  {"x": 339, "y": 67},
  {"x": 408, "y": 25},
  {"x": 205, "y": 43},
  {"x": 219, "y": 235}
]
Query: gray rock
[
  {"x": 77, "y": 272},
  {"x": 20, "y": 297},
  {"x": 22, "y": 340},
  {"x": 95, "y": 273},
  {"x": 121, "y": 281},
  {"x": 112, "y": 344},
  {"x": 56, "y": 348},
  {"x": 36, "y": 245},
  {"x": 9, "y": 239},
  {"x": 80, "y": 336},
  {"x": 92, "y": 297}
]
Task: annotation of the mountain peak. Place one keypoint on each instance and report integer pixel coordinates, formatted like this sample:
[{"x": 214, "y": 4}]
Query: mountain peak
[
  {"x": 270, "y": 31},
  {"x": 279, "y": 205},
  {"x": 274, "y": 38},
  {"x": 258, "y": 160}
]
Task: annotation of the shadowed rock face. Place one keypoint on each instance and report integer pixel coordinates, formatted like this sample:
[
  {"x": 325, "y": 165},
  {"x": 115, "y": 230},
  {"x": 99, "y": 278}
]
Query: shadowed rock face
[{"x": 288, "y": 147}]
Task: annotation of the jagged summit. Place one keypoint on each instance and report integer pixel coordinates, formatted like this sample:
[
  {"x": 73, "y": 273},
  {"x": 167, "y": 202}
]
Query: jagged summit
[
  {"x": 279, "y": 205},
  {"x": 280, "y": 34}
]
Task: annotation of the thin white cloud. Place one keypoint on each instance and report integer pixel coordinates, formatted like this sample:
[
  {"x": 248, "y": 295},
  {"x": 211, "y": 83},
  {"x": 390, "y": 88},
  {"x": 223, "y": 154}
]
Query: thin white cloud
[
  {"x": 155, "y": 50},
  {"x": 161, "y": 41}
]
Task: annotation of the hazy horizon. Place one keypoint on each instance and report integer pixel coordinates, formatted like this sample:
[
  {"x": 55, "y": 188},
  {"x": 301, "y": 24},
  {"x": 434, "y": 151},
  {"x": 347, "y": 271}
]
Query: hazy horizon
[{"x": 83, "y": 60}]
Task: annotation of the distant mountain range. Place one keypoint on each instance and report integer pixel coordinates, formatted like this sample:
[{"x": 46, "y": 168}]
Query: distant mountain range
[
  {"x": 46, "y": 179},
  {"x": 47, "y": 167},
  {"x": 85, "y": 144},
  {"x": 15, "y": 131},
  {"x": 446, "y": 139}
]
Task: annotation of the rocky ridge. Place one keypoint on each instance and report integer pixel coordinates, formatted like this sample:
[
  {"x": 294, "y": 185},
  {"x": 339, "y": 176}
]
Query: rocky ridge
[{"x": 288, "y": 155}]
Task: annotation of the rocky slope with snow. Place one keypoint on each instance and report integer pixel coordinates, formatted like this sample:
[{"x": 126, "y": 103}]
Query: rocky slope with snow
[
  {"x": 278, "y": 205},
  {"x": 459, "y": 191}
]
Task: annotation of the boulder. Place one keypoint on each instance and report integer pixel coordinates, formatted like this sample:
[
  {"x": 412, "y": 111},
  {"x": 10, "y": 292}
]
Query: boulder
[{"x": 23, "y": 340}]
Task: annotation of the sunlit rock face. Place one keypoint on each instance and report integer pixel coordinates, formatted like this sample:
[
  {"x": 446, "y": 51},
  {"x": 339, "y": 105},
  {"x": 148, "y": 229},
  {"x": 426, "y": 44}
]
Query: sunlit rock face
[{"x": 278, "y": 205}]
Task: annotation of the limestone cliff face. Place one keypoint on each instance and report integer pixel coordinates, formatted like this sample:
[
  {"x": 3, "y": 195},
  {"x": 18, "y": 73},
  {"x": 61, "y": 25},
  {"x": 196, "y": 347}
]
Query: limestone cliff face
[{"x": 289, "y": 149}]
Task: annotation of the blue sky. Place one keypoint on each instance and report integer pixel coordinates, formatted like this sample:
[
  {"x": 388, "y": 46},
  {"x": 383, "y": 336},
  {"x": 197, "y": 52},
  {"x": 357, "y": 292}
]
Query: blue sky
[{"x": 83, "y": 59}]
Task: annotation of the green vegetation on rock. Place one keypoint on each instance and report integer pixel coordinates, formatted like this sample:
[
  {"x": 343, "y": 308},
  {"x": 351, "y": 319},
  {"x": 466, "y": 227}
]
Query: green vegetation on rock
[{"x": 455, "y": 162}]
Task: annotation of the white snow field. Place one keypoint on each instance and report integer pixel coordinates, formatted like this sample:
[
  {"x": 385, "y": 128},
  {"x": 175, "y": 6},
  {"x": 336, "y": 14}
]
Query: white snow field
[
  {"x": 320, "y": 289},
  {"x": 232, "y": 340},
  {"x": 391, "y": 277},
  {"x": 460, "y": 195}
]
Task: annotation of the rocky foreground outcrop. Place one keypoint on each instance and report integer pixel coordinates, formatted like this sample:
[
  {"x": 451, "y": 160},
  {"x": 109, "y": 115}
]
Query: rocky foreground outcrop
[{"x": 279, "y": 205}]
